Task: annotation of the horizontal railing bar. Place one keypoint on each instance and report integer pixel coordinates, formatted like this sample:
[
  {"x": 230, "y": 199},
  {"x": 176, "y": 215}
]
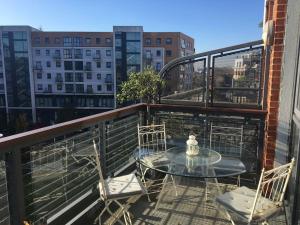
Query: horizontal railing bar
[
  {"x": 211, "y": 110},
  {"x": 35, "y": 136},
  {"x": 216, "y": 51}
]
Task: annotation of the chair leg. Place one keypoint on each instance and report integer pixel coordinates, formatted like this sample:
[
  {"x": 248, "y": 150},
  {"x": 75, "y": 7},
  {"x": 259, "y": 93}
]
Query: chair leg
[
  {"x": 285, "y": 215},
  {"x": 239, "y": 181},
  {"x": 162, "y": 190},
  {"x": 174, "y": 185},
  {"x": 143, "y": 179}
]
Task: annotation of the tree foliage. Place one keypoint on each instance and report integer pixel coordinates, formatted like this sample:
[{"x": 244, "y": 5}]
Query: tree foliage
[{"x": 145, "y": 86}]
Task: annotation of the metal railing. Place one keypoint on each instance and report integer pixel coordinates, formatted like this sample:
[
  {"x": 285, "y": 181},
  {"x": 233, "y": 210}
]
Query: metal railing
[{"x": 226, "y": 77}]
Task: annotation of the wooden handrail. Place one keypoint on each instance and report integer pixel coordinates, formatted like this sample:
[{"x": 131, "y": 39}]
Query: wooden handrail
[
  {"x": 24, "y": 139},
  {"x": 35, "y": 136},
  {"x": 256, "y": 113}
]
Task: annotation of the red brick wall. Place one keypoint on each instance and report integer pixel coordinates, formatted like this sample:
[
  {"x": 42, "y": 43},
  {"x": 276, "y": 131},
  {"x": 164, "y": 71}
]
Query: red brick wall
[{"x": 276, "y": 11}]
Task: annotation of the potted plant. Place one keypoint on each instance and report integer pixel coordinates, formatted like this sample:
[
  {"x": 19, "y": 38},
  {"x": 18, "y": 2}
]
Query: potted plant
[{"x": 143, "y": 86}]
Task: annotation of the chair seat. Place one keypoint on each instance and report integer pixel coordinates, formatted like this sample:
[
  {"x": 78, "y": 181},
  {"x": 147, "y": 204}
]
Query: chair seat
[
  {"x": 240, "y": 201},
  {"x": 122, "y": 187}
]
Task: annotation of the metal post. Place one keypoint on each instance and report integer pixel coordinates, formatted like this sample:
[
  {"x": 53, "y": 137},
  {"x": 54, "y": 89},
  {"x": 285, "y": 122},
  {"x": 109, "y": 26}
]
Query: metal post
[
  {"x": 260, "y": 147},
  {"x": 15, "y": 187},
  {"x": 208, "y": 73},
  {"x": 102, "y": 144}
]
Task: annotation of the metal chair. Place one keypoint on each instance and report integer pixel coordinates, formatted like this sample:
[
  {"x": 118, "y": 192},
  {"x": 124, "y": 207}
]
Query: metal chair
[
  {"x": 152, "y": 139},
  {"x": 264, "y": 203},
  {"x": 228, "y": 141},
  {"x": 116, "y": 188}
]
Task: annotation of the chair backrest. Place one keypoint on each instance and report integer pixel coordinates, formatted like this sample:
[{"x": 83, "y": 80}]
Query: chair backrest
[
  {"x": 99, "y": 168},
  {"x": 152, "y": 137},
  {"x": 226, "y": 140},
  {"x": 272, "y": 185}
]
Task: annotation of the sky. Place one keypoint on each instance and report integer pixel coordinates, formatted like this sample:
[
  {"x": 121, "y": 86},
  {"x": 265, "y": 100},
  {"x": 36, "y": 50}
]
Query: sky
[{"x": 212, "y": 23}]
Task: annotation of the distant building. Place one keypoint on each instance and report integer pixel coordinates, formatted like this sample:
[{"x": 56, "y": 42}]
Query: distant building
[{"x": 43, "y": 74}]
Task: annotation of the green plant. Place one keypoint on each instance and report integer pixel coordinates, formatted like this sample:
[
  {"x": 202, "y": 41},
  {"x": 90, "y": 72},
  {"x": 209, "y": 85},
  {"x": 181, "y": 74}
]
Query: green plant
[{"x": 144, "y": 86}]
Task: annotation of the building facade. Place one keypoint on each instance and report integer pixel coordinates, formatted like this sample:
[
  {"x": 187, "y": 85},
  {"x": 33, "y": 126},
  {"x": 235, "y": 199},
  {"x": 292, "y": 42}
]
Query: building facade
[{"x": 48, "y": 76}]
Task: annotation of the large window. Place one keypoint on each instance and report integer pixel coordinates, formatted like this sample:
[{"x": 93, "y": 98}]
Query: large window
[
  {"x": 79, "y": 65},
  {"x": 68, "y": 53},
  {"x": 68, "y": 65},
  {"x": 133, "y": 59},
  {"x": 77, "y": 41},
  {"x": 133, "y": 36},
  {"x": 133, "y": 47},
  {"x": 69, "y": 77},
  {"x": 78, "y": 54},
  {"x": 79, "y": 88},
  {"x": 69, "y": 88},
  {"x": 168, "y": 41},
  {"x": 68, "y": 41},
  {"x": 79, "y": 77}
]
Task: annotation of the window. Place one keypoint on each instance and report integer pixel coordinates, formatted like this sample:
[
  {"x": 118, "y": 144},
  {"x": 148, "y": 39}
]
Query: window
[
  {"x": 107, "y": 40},
  {"x": 48, "y": 75},
  {"x": 39, "y": 75},
  {"x": 79, "y": 88},
  {"x": 57, "y": 40},
  {"x": 98, "y": 41},
  {"x": 89, "y": 88},
  {"x": 134, "y": 36},
  {"x": 68, "y": 53},
  {"x": 49, "y": 87},
  {"x": 58, "y": 64},
  {"x": 88, "y": 76},
  {"x": 40, "y": 87},
  {"x": 158, "y": 66},
  {"x": 77, "y": 41},
  {"x": 158, "y": 41},
  {"x": 133, "y": 47},
  {"x": 109, "y": 87},
  {"x": 168, "y": 41},
  {"x": 148, "y": 41},
  {"x": 108, "y": 52},
  {"x": 88, "y": 41},
  {"x": 69, "y": 88},
  {"x": 168, "y": 53},
  {"x": 88, "y": 52},
  {"x": 68, "y": 65},
  {"x": 98, "y": 53},
  {"x": 108, "y": 64},
  {"x": 38, "y": 64},
  {"x": 59, "y": 87},
  {"x": 79, "y": 77},
  {"x": 58, "y": 77},
  {"x": 108, "y": 78},
  {"x": 98, "y": 64},
  {"x": 99, "y": 87},
  {"x": 37, "y": 40},
  {"x": 57, "y": 52},
  {"x": 48, "y": 64},
  {"x": 88, "y": 66},
  {"x": 158, "y": 53},
  {"x": 37, "y": 52},
  {"x": 99, "y": 76},
  {"x": 79, "y": 65},
  {"x": 68, "y": 41},
  {"x": 47, "y": 40},
  {"x": 78, "y": 54},
  {"x": 47, "y": 52},
  {"x": 148, "y": 54},
  {"x": 1, "y": 75},
  {"x": 1, "y": 87},
  {"x": 69, "y": 77}
]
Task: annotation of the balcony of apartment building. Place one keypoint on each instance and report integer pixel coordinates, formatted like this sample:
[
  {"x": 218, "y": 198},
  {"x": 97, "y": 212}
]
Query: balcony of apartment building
[{"x": 50, "y": 175}]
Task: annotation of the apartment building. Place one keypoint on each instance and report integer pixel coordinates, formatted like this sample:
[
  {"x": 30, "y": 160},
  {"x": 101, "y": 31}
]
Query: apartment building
[{"x": 47, "y": 74}]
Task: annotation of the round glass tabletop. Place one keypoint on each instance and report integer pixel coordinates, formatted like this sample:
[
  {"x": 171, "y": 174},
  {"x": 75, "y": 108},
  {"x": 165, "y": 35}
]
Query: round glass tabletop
[{"x": 175, "y": 161}]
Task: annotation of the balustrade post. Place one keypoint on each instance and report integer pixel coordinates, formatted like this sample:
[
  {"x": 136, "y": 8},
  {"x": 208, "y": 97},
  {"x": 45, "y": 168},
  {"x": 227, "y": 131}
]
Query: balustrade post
[{"x": 15, "y": 187}]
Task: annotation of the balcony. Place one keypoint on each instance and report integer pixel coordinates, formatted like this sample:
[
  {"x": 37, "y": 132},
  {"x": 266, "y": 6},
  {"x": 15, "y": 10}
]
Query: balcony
[{"x": 52, "y": 174}]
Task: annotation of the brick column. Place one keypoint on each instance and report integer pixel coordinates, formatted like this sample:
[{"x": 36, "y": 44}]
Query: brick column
[{"x": 276, "y": 11}]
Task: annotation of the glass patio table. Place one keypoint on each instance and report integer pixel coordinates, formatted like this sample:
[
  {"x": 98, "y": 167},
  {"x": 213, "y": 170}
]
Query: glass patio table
[{"x": 174, "y": 161}]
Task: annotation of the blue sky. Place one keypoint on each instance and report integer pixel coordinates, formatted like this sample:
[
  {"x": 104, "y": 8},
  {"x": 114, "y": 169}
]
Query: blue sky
[{"x": 212, "y": 23}]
